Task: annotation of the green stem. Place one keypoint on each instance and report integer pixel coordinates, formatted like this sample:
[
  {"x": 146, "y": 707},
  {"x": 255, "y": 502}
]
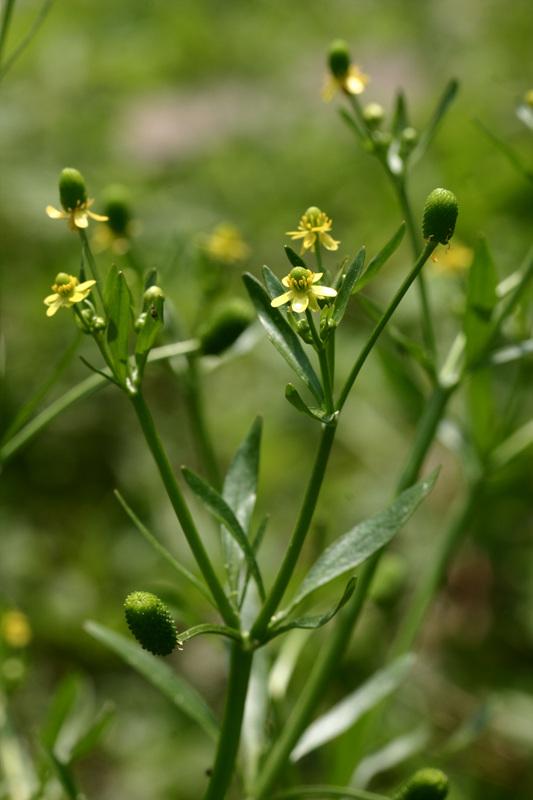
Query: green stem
[
  {"x": 407, "y": 211},
  {"x": 376, "y": 333},
  {"x": 204, "y": 444},
  {"x": 337, "y": 641},
  {"x": 328, "y": 791},
  {"x": 228, "y": 743},
  {"x": 318, "y": 255},
  {"x": 299, "y": 534},
  {"x": 7, "y": 15},
  {"x": 323, "y": 361},
  {"x": 6, "y": 64},
  {"x": 88, "y": 253},
  {"x": 181, "y": 509}
]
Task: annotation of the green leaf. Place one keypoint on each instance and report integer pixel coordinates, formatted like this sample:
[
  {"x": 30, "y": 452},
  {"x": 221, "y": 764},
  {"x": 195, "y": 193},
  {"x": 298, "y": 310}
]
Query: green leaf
[
  {"x": 159, "y": 674},
  {"x": 509, "y": 152},
  {"x": 207, "y": 628},
  {"x": 292, "y": 395},
  {"x": 62, "y": 704},
  {"x": 294, "y": 259},
  {"x": 399, "y": 118},
  {"x": 182, "y": 571},
  {"x": 346, "y": 713},
  {"x": 354, "y": 547},
  {"x": 255, "y": 723},
  {"x": 218, "y": 507},
  {"x": 92, "y": 734},
  {"x": 312, "y": 621},
  {"x": 323, "y": 792},
  {"x": 153, "y": 323},
  {"x": 426, "y": 137},
  {"x": 282, "y": 336},
  {"x": 240, "y": 492},
  {"x": 515, "y": 444},
  {"x": 480, "y": 301},
  {"x": 117, "y": 301},
  {"x": 380, "y": 259},
  {"x": 272, "y": 282},
  {"x": 346, "y": 288},
  {"x": 391, "y": 755},
  {"x": 65, "y": 777}
]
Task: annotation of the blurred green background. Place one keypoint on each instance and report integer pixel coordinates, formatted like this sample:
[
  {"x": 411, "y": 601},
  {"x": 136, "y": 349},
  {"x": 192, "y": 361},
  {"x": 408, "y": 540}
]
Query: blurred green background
[{"x": 211, "y": 112}]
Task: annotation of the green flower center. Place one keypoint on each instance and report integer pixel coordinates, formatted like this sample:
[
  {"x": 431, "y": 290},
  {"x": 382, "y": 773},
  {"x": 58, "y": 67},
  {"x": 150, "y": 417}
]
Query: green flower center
[{"x": 300, "y": 278}]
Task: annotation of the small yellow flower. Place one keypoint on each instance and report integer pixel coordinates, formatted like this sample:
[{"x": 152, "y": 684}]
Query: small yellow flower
[
  {"x": 67, "y": 291},
  {"x": 314, "y": 224},
  {"x": 77, "y": 217},
  {"x": 454, "y": 259},
  {"x": 302, "y": 290},
  {"x": 225, "y": 244},
  {"x": 76, "y": 204},
  {"x": 354, "y": 81},
  {"x": 15, "y": 629}
]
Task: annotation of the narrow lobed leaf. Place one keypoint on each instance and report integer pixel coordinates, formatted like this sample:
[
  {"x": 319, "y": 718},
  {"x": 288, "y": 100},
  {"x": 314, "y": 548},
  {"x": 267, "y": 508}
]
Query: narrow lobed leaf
[
  {"x": 346, "y": 288},
  {"x": 380, "y": 259}
]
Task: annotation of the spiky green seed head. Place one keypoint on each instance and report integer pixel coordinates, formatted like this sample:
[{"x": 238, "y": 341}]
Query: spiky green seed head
[
  {"x": 117, "y": 207},
  {"x": 72, "y": 189},
  {"x": 339, "y": 58},
  {"x": 426, "y": 784},
  {"x": 440, "y": 216},
  {"x": 224, "y": 328},
  {"x": 151, "y": 623}
]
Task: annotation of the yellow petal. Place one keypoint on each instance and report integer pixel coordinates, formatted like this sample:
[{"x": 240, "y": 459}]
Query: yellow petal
[
  {"x": 328, "y": 242},
  {"x": 309, "y": 240},
  {"x": 286, "y": 282},
  {"x": 329, "y": 89},
  {"x": 296, "y": 234},
  {"x": 97, "y": 217},
  {"x": 300, "y": 303},
  {"x": 323, "y": 291},
  {"x": 51, "y": 310},
  {"x": 85, "y": 285},
  {"x": 282, "y": 299},
  {"x": 55, "y": 213},
  {"x": 80, "y": 219},
  {"x": 51, "y": 298},
  {"x": 316, "y": 277}
]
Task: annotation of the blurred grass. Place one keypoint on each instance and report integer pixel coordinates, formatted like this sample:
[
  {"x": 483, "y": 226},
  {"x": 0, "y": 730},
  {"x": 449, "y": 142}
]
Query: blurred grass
[{"x": 211, "y": 111}]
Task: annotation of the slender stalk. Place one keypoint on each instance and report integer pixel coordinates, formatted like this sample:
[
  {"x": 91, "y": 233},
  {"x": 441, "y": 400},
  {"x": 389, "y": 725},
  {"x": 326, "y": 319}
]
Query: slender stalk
[
  {"x": 202, "y": 437},
  {"x": 328, "y": 791},
  {"x": 6, "y": 64},
  {"x": 182, "y": 511},
  {"x": 299, "y": 534},
  {"x": 228, "y": 743},
  {"x": 337, "y": 641},
  {"x": 7, "y": 15},
  {"x": 323, "y": 361},
  {"x": 376, "y": 333},
  {"x": 88, "y": 253}
]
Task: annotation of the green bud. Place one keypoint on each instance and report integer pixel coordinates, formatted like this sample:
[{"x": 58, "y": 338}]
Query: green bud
[
  {"x": 62, "y": 278},
  {"x": 304, "y": 331},
  {"x": 117, "y": 207},
  {"x": 72, "y": 189},
  {"x": 140, "y": 322},
  {"x": 440, "y": 216},
  {"x": 426, "y": 784},
  {"x": 409, "y": 136},
  {"x": 339, "y": 58},
  {"x": 150, "y": 622},
  {"x": 98, "y": 325},
  {"x": 373, "y": 115},
  {"x": 153, "y": 294},
  {"x": 225, "y": 326}
]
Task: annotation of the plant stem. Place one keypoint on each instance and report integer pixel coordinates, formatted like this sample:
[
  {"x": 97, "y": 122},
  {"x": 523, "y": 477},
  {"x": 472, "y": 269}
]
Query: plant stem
[
  {"x": 228, "y": 743},
  {"x": 182, "y": 511},
  {"x": 328, "y": 791},
  {"x": 88, "y": 253},
  {"x": 202, "y": 437},
  {"x": 337, "y": 641},
  {"x": 299, "y": 534},
  {"x": 374, "y": 336},
  {"x": 7, "y": 14},
  {"x": 324, "y": 364}
]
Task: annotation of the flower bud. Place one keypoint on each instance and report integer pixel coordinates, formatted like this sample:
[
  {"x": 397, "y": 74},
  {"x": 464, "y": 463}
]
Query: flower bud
[
  {"x": 117, "y": 207},
  {"x": 440, "y": 216},
  {"x": 339, "y": 58},
  {"x": 153, "y": 294},
  {"x": 225, "y": 327},
  {"x": 426, "y": 784},
  {"x": 304, "y": 331},
  {"x": 150, "y": 622},
  {"x": 72, "y": 190},
  {"x": 373, "y": 115}
]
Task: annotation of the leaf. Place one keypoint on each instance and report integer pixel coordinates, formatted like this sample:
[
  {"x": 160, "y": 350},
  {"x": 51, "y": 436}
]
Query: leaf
[
  {"x": 361, "y": 542},
  {"x": 380, "y": 259},
  {"x": 153, "y": 323},
  {"x": 182, "y": 571},
  {"x": 391, "y": 755},
  {"x": 292, "y": 395},
  {"x": 399, "y": 118},
  {"x": 312, "y": 621},
  {"x": 218, "y": 507},
  {"x": 283, "y": 337},
  {"x": 346, "y": 288},
  {"x": 426, "y": 137},
  {"x": 346, "y": 713},
  {"x": 92, "y": 734},
  {"x": 240, "y": 492},
  {"x": 272, "y": 282},
  {"x": 159, "y": 674},
  {"x": 117, "y": 301},
  {"x": 294, "y": 259},
  {"x": 63, "y": 702},
  {"x": 207, "y": 628},
  {"x": 480, "y": 301},
  {"x": 509, "y": 152},
  {"x": 255, "y": 721}
]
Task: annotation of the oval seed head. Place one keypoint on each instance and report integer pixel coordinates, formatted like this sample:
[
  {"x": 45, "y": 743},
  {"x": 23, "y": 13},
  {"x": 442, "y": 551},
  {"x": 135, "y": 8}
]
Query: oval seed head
[
  {"x": 225, "y": 327},
  {"x": 72, "y": 189},
  {"x": 117, "y": 208},
  {"x": 440, "y": 216},
  {"x": 426, "y": 784},
  {"x": 339, "y": 58},
  {"x": 150, "y": 622}
]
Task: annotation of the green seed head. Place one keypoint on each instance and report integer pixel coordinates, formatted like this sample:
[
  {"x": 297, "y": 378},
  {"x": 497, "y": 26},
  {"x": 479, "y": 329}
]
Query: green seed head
[
  {"x": 426, "y": 784},
  {"x": 339, "y": 58},
  {"x": 300, "y": 278},
  {"x": 440, "y": 216},
  {"x": 225, "y": 327},
  {"x": 117, "y": 207},
  {"x": 150, "y": 622},
  {"x": 62, "y": 279},
  {"x": 72, "y": 189}
]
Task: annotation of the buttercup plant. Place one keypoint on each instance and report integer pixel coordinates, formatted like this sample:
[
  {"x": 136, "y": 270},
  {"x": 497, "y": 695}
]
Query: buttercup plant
[{"x": 303, "y": 316}]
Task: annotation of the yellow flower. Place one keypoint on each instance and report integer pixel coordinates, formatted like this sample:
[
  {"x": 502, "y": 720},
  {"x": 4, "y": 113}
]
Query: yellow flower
[
  {"x": 354, "y": 81},
  {"x": 77, "y": 217},
  {"x": 454, "y": 259},
  {"x": 67, "y": 291},
  {"x": 15, "y": 628},
  {"x": 314, "y": 224},
  {"x": 302, "y": 290},
  {"x": 76, "y": 204},
  {"x": 226, "y": 244}
]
